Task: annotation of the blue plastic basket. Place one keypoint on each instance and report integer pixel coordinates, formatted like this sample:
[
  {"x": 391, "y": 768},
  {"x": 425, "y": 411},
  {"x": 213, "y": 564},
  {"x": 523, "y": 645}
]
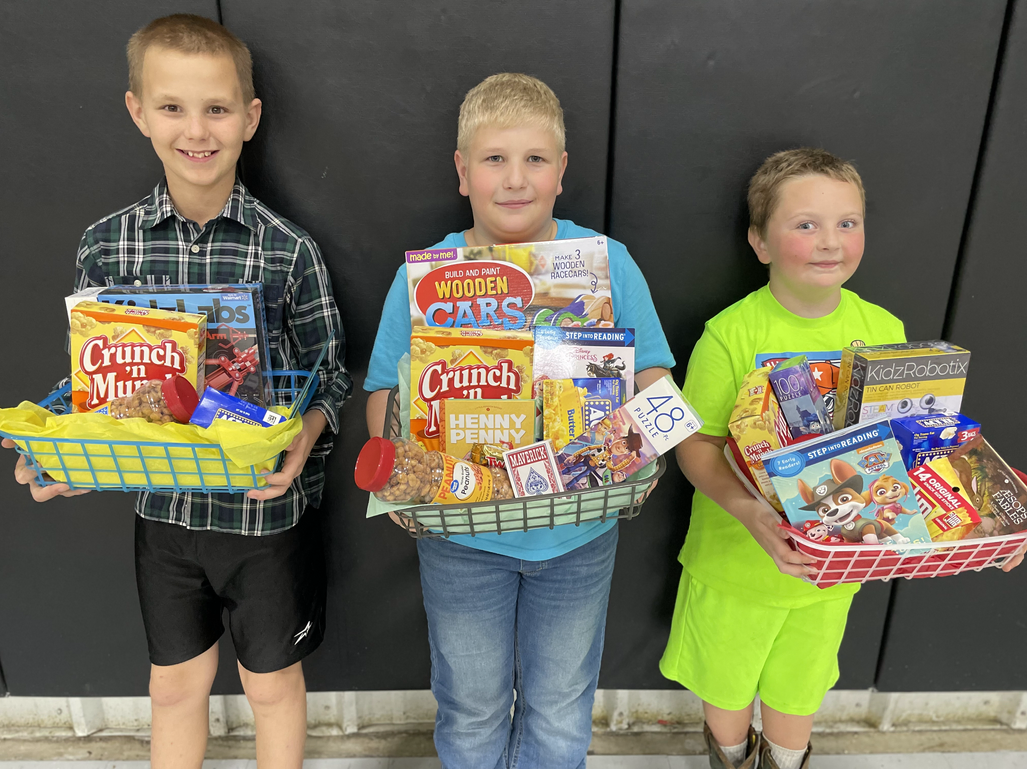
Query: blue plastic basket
[{"x": 132, "y": 459}]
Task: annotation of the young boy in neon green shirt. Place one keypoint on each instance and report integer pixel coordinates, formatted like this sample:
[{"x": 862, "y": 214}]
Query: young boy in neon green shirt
[{"x": 744, "y": 623}]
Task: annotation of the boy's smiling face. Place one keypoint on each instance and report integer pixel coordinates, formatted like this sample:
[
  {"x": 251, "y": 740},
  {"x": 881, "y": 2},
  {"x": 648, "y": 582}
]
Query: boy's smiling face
[
  {"x": 815, "y": 237},
  {"x": 511, "y": 177},
  {"x": 192, "y": 110}
]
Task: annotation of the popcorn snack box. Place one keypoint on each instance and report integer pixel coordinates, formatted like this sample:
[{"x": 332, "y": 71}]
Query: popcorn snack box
[
  {"x": 853, "y": 482},
  {"x": 926, "y": 437},
  {"x": 998, "y": 494},
  {"x": 572, "y": 406},
  {"x": 757, "y": 427},
  {"x": 890, "y": 381},
  {"x": 801, "y": 404},
  {"x": 948, "y": 513},
  {"x": 648, "y": 425},
  {"x": 115, "y": 350},
  {"x": 533, "y": 470},
  {"x": 237, "y": 360},
  {"x": 569, "y": 353},
  {"x": 512, "y": 287},
  {"x": 498, "y": 422},
  {"x": 464, "y": 363}
]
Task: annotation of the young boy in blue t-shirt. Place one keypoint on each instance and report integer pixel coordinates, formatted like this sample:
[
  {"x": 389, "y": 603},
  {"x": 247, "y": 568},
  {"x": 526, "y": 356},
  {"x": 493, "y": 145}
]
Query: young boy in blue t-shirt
[{"x": 522, "y": 610}]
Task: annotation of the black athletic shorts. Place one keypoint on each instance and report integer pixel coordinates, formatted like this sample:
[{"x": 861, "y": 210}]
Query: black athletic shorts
[{"x": 273, "y": 586}]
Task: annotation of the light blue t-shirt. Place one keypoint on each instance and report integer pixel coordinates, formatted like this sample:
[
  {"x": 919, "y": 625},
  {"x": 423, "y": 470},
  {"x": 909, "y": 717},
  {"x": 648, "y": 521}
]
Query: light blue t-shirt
[{"x": 634, "y": 309}]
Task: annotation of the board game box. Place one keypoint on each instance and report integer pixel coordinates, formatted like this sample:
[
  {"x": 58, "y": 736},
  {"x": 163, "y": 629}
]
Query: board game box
[
  {"x": 512, "y": 287},
  {"x": 852, "y": 482}
]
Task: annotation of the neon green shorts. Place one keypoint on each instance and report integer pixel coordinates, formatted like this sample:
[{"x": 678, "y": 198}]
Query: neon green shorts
[{"x": 726, "y": 649}]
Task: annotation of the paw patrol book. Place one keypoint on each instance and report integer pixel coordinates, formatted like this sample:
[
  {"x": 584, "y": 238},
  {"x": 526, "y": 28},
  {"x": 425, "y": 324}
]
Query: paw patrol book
[{"x": 852, "y": 483}]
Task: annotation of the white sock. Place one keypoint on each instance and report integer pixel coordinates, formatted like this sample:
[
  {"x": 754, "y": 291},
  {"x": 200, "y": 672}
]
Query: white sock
[
  {"x": 786, "y": 758},
  {"x": 734, "y": 753}
]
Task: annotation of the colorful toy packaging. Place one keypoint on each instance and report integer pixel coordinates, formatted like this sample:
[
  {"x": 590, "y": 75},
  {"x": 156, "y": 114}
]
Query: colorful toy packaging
[
  {"x": 571, "y": 353},
  {"x": 997, "y": 493},
  {"x": 648, "y": 425},
  {"x": 116, "y": 350},
  {"x": 512, "y": 287},
  {"x": 572, "y": 406},
  {"x": 533, "y": 470},
  {"x": 497, "y": 422},
  {"x": 215, "y": 405},
  {"x": 889, "y": 381},
  {"x": 464, "y": 363},
  {"x": 237, "y": 359},
  {"x": 948, "y": 513},
  {"x": 926, "y": 437},
  {"x": 853, "y": 482},
  {"x": 757, "y": 427},
  {"x": 800, "y": 401}
]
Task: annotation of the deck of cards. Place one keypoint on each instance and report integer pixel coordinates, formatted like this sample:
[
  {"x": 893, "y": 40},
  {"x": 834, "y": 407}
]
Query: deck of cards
[{"x": 533, "y": 470}]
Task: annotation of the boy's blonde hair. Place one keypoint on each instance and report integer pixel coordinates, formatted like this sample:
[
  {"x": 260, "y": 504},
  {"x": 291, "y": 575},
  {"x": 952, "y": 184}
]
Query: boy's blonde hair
[
  {"x": 507, "y": 100},
  {"x": 764, "y": 188},
  {"x": 189, "y": 34}
]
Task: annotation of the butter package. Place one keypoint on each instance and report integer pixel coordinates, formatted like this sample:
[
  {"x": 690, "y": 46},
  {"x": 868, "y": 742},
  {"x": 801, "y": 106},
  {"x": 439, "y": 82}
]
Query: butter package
[
  {"x": 464, "y": 364},
  {"x": 116, "y": 350},
  {"x": 501, "y": 422},
  {"x": 997, "y": 493},
  {"x": 948, "y": 513},
  {"x": 890, "y": 381},
  {"x": 572, "y": 406},
  {"x": 926, "y": 437},
  {"x": 757, "y": 427},
  {"x": 215, "y": 405}
]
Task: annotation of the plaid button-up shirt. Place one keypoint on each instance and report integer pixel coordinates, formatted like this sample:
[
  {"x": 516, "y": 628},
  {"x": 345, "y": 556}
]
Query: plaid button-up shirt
[{"x": 150, "y": 243}]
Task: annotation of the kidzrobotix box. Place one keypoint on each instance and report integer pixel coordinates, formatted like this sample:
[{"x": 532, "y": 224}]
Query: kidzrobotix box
[
  {"x": 116, "y": 350},
  {"x": 625, "y": 441},
  {"x": 851, "y": 481},
  {"x": 890, "y": 381},
  {"x": 464, "y": 363},
  {"x": 512, "y": 287}
]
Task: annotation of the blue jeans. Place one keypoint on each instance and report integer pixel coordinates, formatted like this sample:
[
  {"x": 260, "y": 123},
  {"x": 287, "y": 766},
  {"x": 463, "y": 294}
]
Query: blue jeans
[{"x": 498, "y": 624}]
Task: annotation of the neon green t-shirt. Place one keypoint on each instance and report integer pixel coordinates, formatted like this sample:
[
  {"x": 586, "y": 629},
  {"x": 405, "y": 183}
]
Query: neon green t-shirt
[{"x": 719, "y": 551}]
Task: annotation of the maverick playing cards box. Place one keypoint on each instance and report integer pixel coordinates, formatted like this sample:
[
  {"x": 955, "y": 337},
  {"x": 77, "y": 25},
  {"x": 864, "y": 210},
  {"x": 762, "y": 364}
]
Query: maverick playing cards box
[
  {"x": 533, "y": 470},
  {"x": 512, "y": 287}
]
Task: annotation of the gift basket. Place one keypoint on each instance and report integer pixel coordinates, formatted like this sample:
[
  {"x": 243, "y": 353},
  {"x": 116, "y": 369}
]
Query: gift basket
[
  {"x": 169, "y": 390},
  {"x": 873, "y": 483},
  {"x": 515, "y": 409}
]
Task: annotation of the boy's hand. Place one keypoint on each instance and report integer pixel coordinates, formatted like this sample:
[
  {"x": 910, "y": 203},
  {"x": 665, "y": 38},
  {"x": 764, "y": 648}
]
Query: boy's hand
[
  {"x": 1014, "y": 560},
  {"x": 25, "y": 475},
  {"x": 296, "y": 455},
  {"x": 764, "y": 527}
]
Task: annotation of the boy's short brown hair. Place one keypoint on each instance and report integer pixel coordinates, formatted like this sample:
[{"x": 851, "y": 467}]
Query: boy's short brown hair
[
  {"x": 510, "y": 99},
  {"x": 187, "y": 33},
  {"x": 763, "y": 190}
]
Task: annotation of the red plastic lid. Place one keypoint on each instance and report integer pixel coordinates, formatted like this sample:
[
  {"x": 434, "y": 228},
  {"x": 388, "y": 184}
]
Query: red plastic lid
[
  {"x": 180, "y": 396},
  {"x": 375, "y": 464}
]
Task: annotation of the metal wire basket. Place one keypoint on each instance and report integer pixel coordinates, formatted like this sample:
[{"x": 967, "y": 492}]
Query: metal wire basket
[
  {"x": 130, "y": 466},
  {"x": 616, "y": 501}
]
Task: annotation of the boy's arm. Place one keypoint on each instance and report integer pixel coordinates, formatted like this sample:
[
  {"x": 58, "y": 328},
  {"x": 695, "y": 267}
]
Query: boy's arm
[{"x": 393, "y": 339}]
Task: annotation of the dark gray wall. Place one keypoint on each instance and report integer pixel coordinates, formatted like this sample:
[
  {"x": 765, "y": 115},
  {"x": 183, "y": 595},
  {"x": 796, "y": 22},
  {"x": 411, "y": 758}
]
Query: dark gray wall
[{"x": 669, "y": 108}]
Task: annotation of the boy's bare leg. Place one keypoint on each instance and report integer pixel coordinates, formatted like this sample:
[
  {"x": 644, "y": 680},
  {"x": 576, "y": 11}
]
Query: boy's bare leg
[
  {"x": 729, "y": 728},
  {"x": 786, "y": 730},
  {"x": 179, "y": 697},
  {"x": 279, "y": 701}
]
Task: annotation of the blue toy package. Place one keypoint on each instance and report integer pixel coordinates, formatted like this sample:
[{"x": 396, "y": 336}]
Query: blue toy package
[
  {"x": 925, "y": 437},
  {"x": 801, "y": 402},
  {"x": 215, "y": 405},
  {"x": 850, "y": 486}
]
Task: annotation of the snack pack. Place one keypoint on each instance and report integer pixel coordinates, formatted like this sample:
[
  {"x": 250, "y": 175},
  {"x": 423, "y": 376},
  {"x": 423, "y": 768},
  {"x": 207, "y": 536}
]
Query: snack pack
[
  {"x": 648, "y": 425},
  {"x": 997, "y": 493},
  {"x": 464, "y": 363},
  {"x": 756, "y": 428},
  {"x": 116, "y": 350},
  {"x": 801, "y": 403},
  {"x": 948, "y": 513},
  {"x": 889, "y": 381},
  {"x": 237, "y": 359},
  {"x": 853, "y": 482},
  {"x": 512, "y": 287},
  {"x": 571, "y": 353},
  {"x": 499, "y": 422},
  {"x": 925, "y": 437}
]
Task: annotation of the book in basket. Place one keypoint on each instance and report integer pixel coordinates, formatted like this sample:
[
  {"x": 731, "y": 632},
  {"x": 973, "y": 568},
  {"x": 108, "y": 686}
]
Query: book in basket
[{"x": 850, "y": 485}]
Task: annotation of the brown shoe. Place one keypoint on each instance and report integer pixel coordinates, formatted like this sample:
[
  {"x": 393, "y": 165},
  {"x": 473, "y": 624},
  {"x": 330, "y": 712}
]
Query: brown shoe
[
  {"x": 765, "y": 757},
  {"x": 717, "y": 759}
]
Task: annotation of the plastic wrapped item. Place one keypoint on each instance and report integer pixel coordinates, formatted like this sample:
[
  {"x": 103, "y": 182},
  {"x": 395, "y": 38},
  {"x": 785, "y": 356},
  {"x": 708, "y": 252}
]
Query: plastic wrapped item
[
  {"x": 401, "y": 471},
  {"x": 158, "y": 401},
  {"x": 801, "y": 403}
]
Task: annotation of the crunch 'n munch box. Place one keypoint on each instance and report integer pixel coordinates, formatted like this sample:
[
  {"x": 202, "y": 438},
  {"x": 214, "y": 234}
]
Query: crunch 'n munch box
[
  {"x": 116, "y": 349},
  {"x": 464, "y": 363},
  {"x": 753, "y": 426}
]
